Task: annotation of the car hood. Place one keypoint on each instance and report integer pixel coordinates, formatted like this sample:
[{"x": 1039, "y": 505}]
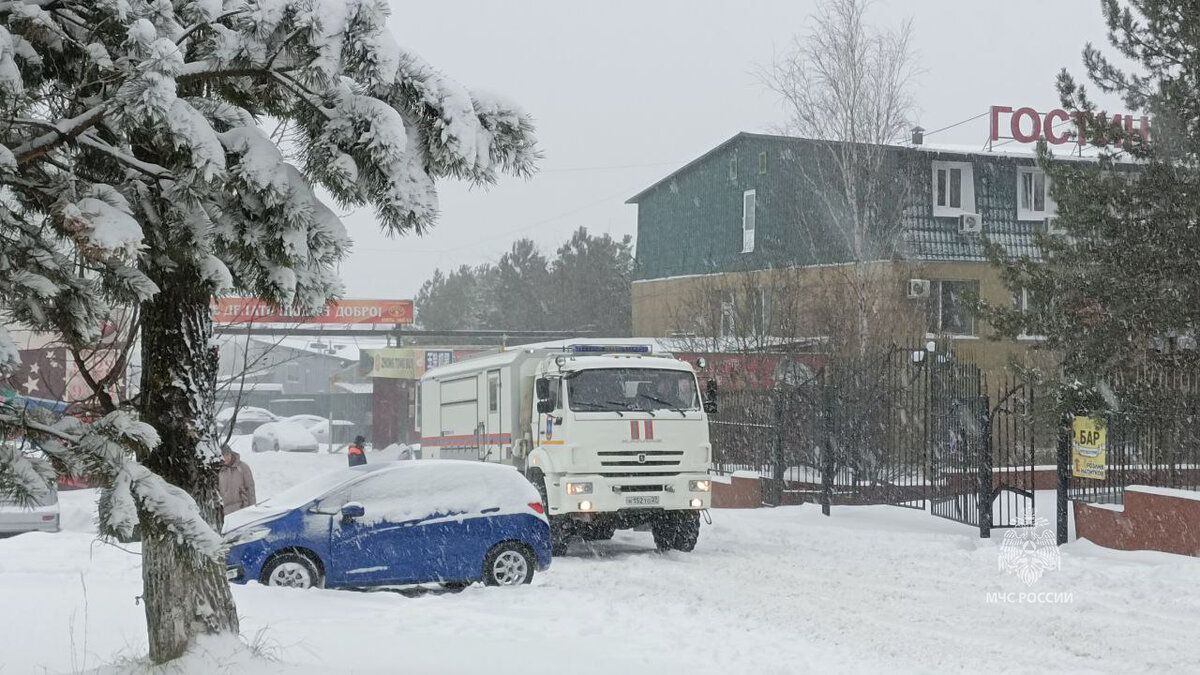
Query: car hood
[{"x": 252, "y": 516}]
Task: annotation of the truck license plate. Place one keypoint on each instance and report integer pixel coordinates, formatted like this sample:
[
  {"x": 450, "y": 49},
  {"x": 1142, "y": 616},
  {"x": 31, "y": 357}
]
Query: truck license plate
[{"x": 642, "y": 501}]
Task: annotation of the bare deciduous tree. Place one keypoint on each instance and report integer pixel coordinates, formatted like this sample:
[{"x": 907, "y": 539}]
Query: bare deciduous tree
[{"x": 845, "y": 85}]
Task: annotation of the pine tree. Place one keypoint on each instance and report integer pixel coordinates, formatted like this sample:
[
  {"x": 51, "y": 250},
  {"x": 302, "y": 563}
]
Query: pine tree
[
  {"x": 591, "y": 279},
  {"x": 136, "y": 172},
  {"x": 1122, "y": 283},
  {"x": 518, "y": 290}
]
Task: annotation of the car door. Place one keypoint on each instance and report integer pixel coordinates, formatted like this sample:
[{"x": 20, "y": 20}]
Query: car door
[
  {"x": 442, "y": 545},
  {"x": 372, "y": 550}
]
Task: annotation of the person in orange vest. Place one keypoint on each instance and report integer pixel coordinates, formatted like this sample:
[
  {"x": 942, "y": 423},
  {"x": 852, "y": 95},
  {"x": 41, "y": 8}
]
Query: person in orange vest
[{"x": 355, "y": 454}]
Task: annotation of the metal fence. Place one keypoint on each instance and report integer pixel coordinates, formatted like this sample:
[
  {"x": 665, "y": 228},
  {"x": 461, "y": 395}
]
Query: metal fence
[
  {"x": 902, "y": 426},
  {"x": 1154, "y": 441}
]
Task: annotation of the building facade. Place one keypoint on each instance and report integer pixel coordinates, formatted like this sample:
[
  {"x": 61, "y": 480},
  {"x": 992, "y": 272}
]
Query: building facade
[{"x": 753, "y": 240}]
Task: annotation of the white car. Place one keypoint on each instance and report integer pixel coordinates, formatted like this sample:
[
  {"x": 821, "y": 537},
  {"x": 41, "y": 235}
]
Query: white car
[
  {"x": 41, "y": 517},
  {"x": 283, "y": 437},
  {"x": 319, "y": 426},
  {"x": 248, "y": 418}
]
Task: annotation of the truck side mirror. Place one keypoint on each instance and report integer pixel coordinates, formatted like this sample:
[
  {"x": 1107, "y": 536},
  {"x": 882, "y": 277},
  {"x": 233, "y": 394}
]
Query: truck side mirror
[
  {"x": 545, "y": 405},
  {"x": 542, "y": 388},
  {"x": 710, "y": 398}
]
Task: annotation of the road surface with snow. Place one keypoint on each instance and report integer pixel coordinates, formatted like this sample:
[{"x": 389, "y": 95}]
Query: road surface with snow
[{"x": 872, "y": 589}]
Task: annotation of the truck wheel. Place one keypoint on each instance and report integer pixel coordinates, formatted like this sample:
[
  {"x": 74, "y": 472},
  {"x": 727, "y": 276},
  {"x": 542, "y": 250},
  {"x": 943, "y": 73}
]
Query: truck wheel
[
  {"x": 687, "y": 531},
  {"x": 676, "y": 530},
  {"x": 560, "y": 534},
  {"x": 593, "y": 532}
]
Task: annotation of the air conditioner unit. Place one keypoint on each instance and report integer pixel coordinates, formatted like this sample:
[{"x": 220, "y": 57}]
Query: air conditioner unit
[
  {"x": 1052, "y": 226},
  {"x": 970, "y": 223},
  {"x": 918, "y": 289}
]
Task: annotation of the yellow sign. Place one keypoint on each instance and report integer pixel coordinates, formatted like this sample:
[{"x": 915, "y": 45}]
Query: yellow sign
[
  {"x": 397, "y": 363},
  {"x": 1089, "y": 448}
]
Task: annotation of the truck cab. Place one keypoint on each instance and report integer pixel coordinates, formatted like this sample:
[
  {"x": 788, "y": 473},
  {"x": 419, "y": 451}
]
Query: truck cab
[{"x": 620, "y": 440}]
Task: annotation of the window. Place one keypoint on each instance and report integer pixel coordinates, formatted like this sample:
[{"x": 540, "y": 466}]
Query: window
[
  {"x": 1030, "y": 305},
  {"x": 761, "y": 310},
  {"x": 953, "y": 188},
  {"x": 624, "y": 389},
  {"x": 949, "y": 313},
  {"x": 1033, "y": 194},
  {"x": 494, "y": 392},
  {"x": 749, "y": 206},
  {"x": 733, "y": 168},
  {"x": 728, "y": 314},
  {"x": 293, "y": 373},
  {"x": 762, "y": 163}
]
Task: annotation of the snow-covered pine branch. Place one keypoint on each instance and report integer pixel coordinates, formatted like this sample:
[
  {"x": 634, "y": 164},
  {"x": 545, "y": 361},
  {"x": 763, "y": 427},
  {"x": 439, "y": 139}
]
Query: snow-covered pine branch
[{"x": 134, "y": 173}]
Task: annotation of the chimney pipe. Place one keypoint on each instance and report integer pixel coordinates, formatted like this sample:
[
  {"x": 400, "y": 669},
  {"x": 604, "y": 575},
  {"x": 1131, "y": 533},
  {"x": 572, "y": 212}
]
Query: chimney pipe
[{"x": 918, "y": 135}]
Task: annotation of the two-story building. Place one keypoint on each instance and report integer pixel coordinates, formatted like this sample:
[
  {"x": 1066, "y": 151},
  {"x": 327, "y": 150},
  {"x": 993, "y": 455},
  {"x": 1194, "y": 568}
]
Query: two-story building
[{"x": 756, "y": 235}]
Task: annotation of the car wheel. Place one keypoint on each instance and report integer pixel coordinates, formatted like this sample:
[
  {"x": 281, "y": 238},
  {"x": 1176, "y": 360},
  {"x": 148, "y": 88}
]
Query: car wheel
[
  {"x": 508, "y": 564},
  {"x": 293, "y": 570}
]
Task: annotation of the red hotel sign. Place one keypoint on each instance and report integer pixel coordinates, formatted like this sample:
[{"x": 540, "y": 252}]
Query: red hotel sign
[
  {"x": 1027, "y": 125},
  {"x": 249, "y": 310}
]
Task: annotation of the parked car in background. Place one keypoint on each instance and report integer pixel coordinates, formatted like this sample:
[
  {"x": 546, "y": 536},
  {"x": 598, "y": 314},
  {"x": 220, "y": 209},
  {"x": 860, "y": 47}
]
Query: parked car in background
[
  {"x": 343, "y": 430},
  {"x": 248, "y": 419},
  {"x": 283, "y": 437},
  {"x": 394, "y": 523},
  {"x": 43, "y": 516}
]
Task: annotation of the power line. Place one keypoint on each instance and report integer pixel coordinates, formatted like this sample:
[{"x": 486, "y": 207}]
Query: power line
[{"x": 956, "y": 124}]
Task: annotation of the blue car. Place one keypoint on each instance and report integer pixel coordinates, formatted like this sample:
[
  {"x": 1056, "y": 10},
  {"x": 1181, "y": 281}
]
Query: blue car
[{"x": 394, "y": 523}]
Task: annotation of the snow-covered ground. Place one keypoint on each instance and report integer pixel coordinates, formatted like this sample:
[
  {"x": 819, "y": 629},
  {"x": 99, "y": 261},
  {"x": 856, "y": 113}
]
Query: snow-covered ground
[{"x": 872, "y": 589}]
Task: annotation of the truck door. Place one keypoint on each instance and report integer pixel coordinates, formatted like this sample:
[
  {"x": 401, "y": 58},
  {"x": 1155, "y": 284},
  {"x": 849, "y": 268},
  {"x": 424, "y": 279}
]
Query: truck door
[{"x": 493, "y": 441}]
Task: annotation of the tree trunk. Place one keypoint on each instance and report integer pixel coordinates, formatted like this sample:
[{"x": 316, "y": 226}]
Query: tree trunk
[{"x": 185, "y": 596}]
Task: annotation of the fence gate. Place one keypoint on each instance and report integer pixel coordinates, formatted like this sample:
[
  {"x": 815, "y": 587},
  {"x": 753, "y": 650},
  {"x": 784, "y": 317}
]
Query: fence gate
[{"x": 981, "y": 451}]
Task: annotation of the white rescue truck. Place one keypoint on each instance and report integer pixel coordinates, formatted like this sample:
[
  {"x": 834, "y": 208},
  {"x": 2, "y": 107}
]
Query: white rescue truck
[{"x": 613, "y": 436}]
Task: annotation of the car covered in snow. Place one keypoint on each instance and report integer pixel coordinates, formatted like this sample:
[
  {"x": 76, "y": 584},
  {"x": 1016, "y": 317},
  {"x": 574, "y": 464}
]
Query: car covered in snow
[
  {"x": 394, "y": 523},
  {"x": 283, "y": 437},
  {"x": 248, "y": 418},
  {"x": 40, "y": 516},
  {"x": 319, "y": 427}
]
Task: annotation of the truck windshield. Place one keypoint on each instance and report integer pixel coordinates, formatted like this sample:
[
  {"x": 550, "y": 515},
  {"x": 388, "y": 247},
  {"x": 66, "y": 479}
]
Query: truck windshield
[{"x": 625, "y": 389}]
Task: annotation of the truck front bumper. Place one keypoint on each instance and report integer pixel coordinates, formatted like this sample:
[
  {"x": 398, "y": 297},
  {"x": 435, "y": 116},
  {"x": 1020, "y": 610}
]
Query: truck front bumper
[{"x": 593, "y": 493}]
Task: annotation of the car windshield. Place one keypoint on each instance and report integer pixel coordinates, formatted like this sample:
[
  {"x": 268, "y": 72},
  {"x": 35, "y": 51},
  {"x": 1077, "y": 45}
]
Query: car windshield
[
  {"x": 303, "y": 493},
  {"x": 625, "y": 389}
]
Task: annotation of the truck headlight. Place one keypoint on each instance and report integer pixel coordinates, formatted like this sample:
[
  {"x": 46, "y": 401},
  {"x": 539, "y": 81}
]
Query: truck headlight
[
  {"x": 700, "y": 485},
  {"x": 579, "y": 488}
]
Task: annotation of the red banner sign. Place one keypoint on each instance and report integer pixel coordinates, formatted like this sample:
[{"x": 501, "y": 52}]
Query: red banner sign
[
  {"x": 1028, "y": 125},
  {"x": 249, "y": 310}
]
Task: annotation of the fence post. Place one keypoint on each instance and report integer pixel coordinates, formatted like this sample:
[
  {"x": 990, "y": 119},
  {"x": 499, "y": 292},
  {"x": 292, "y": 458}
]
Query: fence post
[
  {"x": 774, "y": 496},
  {"x": 1064, "y": 464},
  {"x": 827, "y": 443},
  {"x": 985, "y": 468}
]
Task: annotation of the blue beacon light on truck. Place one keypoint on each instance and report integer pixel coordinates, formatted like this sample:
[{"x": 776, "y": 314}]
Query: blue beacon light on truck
[{"x": 610, "y": 349}]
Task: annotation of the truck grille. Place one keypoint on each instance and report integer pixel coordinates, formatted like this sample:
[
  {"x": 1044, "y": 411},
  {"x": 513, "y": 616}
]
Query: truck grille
[
  {"x": 621, "y": 489},
  {"x": 633, "y": 458}
]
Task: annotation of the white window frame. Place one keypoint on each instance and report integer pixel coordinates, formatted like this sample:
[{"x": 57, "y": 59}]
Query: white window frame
[
  {"x": 935, "y": 298},
  {"x": 749, "y": 219},
  {"x": 1024, "y": 304},
  {"x": 728, "y": 327},
  {"x": 966, "y": 189},
  {"x": 1048, "y": 206}
]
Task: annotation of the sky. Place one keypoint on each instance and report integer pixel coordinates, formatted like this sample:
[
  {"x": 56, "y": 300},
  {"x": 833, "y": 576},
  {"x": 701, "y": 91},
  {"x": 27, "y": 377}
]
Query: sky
[{"x": 625, "y": 92}]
